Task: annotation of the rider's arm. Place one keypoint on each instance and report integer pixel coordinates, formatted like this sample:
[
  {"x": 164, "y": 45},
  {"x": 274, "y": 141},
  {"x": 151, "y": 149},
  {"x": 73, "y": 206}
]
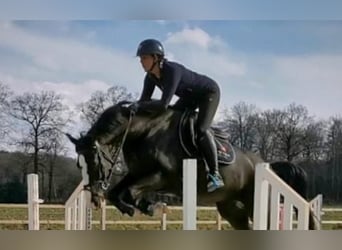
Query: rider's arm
[
  {"x": 147, "y": 90},
  {"x": 171, "y": 79}
]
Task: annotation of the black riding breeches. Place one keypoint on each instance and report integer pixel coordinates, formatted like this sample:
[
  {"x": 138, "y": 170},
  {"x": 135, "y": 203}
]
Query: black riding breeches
[{"x": 206, "y": 111}]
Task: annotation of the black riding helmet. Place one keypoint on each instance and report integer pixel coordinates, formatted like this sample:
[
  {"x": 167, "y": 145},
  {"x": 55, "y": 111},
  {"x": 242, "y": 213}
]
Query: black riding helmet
[{"x": 150, "y": 47}]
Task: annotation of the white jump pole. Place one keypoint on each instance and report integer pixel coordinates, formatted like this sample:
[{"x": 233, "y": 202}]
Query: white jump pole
[
  {"x": 189, "y": 194},
  {"x": 261, "y": 194},
  {"x": 78, "y": 214},
  {"x": 268, "y": 189},
  {"x": 33, "y": 201}
]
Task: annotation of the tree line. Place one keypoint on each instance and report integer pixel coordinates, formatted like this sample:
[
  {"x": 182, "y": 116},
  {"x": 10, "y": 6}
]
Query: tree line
[{"x": 34, "y": 124}]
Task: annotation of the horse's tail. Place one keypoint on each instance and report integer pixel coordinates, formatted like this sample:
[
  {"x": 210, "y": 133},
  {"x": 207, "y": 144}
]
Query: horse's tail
[
  {"x": 296, "y": 178},
  {"x": 293, "y": 175}
]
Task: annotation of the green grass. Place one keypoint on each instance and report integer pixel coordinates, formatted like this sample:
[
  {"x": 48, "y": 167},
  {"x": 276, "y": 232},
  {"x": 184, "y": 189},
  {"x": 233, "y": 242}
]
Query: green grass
[
  {"x": 330, "y": 216},
  {"x": 114, "y": 215},
  {"x": 111, "y": 215}
]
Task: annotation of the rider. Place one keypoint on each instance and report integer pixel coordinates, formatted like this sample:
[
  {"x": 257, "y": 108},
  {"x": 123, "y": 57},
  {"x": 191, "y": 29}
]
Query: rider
[{"x": 192, "y": 88}]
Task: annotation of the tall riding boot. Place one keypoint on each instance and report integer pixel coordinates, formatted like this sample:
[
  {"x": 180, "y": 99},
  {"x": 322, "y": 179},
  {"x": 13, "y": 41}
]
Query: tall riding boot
[{"x": 207, "y": 147}]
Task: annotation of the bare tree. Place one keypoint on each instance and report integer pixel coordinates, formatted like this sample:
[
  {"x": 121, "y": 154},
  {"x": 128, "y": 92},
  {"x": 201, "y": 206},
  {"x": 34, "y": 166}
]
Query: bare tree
[
  {"x": 334, "y": 145},
  {"x": 314, "y": 141},
  {"x": 266, "y": 130},
  {"x": 291, "y": 133},
  {"x": 44, "y": 115},
  {"x": 5, "y": 94},
  {"x": 100, "y": 100},
  {"x": 241, "y": 125},
  {"x": 54, "y": 148}
]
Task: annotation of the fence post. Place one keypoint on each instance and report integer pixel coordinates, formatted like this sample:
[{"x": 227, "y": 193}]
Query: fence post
[
  {"x": 218, "y": 221},
  {"x": 33, "y": 201},
  {"x": 189, "y": 194},
  {"x": 260, "y": 198},
  {"x": 164, "y": 215},
  {"x": 103, "y": 215}
]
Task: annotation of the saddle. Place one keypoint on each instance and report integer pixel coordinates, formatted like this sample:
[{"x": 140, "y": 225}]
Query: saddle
[{"x": 187, "y": 136}]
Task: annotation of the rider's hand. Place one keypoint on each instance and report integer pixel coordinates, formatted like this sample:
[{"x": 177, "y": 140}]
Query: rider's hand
[{"x": 134, "y": 107}]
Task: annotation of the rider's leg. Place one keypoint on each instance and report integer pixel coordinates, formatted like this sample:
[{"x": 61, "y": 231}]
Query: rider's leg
[
  {"x": 208, "y": 149},
  {"x": 205, "y": 141}
]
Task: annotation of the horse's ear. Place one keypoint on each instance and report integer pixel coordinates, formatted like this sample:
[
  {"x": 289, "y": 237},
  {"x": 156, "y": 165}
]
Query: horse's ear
[
  {"x": 126, "y": 105},
  {"x": 71, "y": 138}
]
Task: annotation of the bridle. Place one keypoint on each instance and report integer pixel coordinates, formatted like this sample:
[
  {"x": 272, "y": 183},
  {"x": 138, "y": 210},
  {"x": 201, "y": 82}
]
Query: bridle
[{"x": 104, "y": 180}]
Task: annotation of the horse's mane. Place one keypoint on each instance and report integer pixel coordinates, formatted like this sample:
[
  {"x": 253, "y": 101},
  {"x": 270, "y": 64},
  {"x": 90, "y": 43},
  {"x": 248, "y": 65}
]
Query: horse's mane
[{"x": 107, "y": 120}]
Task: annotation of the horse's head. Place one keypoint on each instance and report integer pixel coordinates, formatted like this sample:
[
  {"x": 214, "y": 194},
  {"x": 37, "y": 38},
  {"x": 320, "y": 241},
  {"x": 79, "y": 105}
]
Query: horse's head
[
  {"x": 88, "y": 161},
  {"x": 98, "y": 150}
]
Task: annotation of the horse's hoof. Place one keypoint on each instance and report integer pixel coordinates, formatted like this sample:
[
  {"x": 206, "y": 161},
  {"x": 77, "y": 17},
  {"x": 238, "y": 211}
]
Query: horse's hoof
[
  {"x": 126, "y": 210},
  {"x": 146, "y": 207},
  {"x": 130, "y": 211},
  {"x": 150, "y": 210}
]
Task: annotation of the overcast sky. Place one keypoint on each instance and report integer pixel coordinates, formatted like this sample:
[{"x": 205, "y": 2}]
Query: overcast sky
[
  {"x": 175, "y": 9},
  {"x": 267, "y": 63}
]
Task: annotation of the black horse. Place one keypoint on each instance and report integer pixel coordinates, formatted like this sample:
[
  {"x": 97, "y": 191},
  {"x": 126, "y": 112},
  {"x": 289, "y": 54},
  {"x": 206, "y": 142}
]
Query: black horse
[{"x": 154, "y": 147}]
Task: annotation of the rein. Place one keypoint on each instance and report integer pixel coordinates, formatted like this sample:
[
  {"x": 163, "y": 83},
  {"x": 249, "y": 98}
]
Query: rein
[{"x": 104, "y": 184}]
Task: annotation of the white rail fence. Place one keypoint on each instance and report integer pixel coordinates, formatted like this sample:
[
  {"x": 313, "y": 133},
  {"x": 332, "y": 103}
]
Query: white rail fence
[
  {"x": 164, "y": 217},
  {"x": 275, "y": 203},
  {"x": 78, "y": 208},
  {"x": 317, "y": 207},
  {"x": 78, "y": 213}
]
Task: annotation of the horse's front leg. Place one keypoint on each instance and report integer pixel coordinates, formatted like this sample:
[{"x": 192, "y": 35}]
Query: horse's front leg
[
  {"x": 125, "y": 200},
  {"x": 144, "y": 205},
  {"x": 151, "y": 183},
  {"x": 118, "y": 195}
]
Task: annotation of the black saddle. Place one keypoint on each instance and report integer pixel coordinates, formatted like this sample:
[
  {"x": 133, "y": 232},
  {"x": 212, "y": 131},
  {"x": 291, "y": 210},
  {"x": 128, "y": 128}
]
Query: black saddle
[{"x": 187, "y": 136}]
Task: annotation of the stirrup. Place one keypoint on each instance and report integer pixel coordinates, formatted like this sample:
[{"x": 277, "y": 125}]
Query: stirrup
[{"x": 215, "y": 182}]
